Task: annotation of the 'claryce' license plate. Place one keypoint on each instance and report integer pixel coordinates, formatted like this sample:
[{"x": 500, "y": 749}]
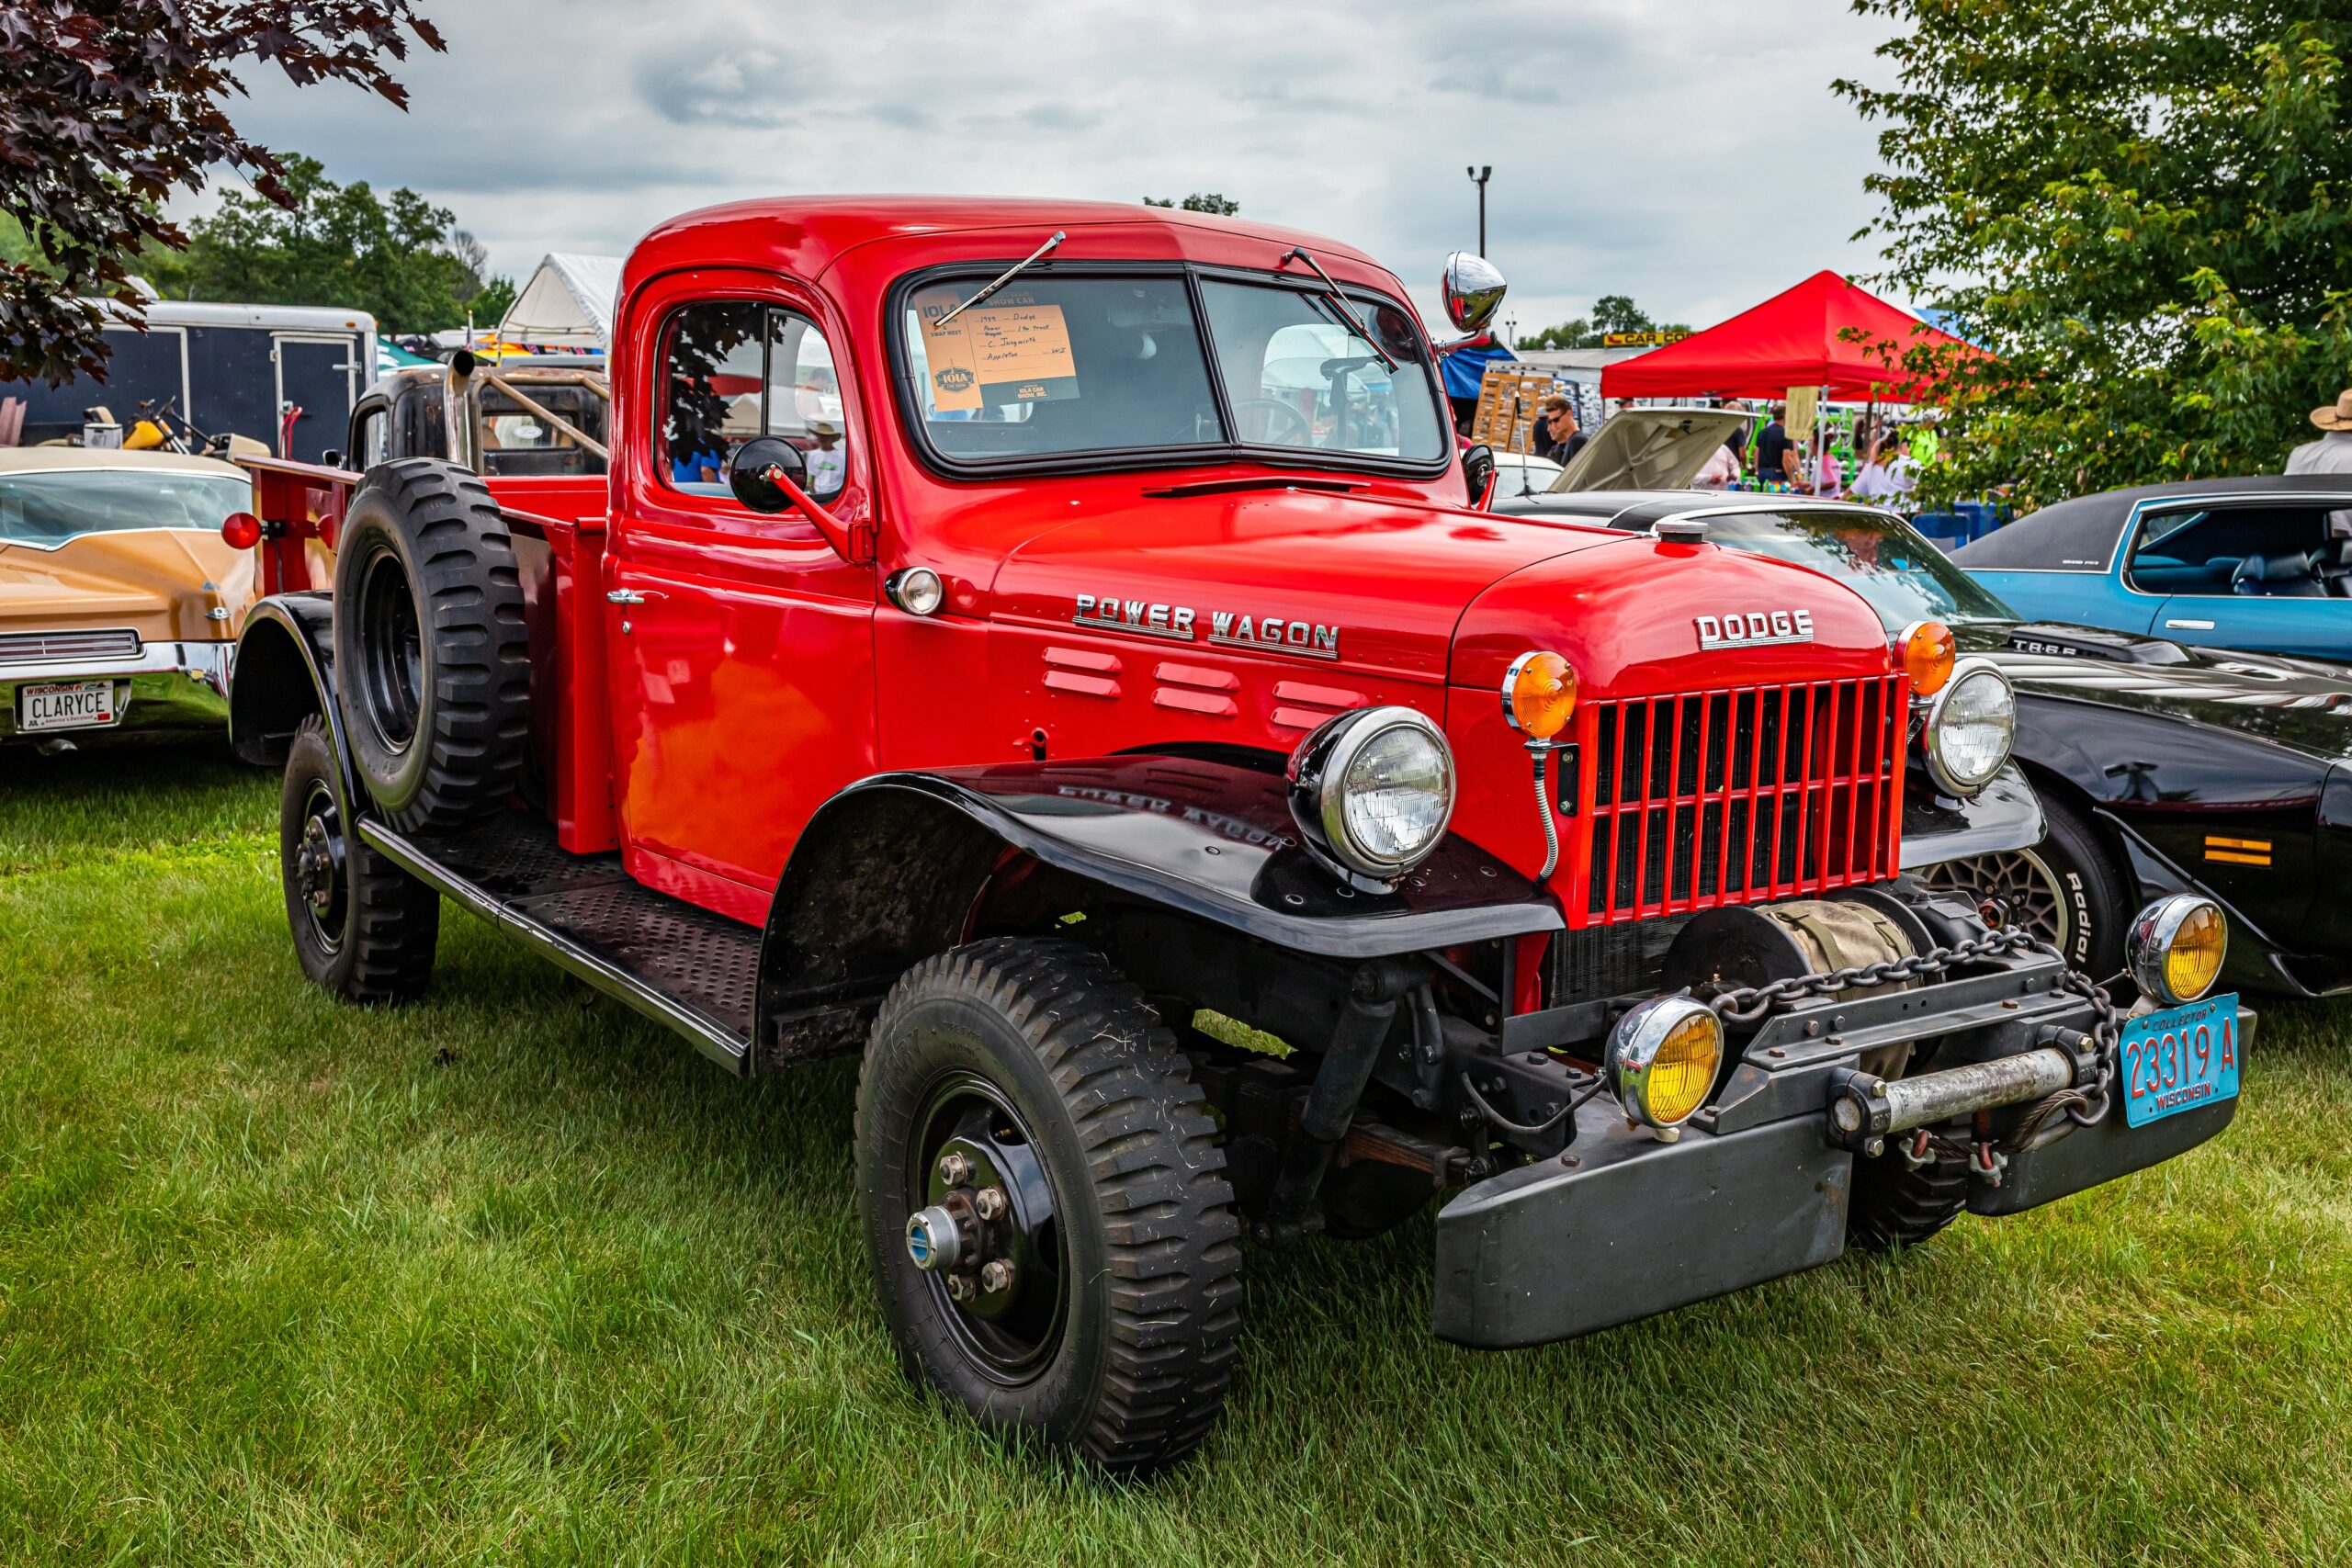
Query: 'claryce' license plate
[
  {"x": 66, "y": 704},
  {"x": 2177, "y": 1058}
]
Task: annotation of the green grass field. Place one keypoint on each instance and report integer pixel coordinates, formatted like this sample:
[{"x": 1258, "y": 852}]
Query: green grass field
[{"x": 513, "y": 1277}]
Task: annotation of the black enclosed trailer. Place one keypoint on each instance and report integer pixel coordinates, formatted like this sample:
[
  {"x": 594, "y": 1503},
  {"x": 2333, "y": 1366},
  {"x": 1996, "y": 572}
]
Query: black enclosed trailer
[{"x": 285, "y": 375}]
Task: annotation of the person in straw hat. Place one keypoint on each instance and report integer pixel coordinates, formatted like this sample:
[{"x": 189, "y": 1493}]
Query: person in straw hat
[{"x": 2332, "y": 452}]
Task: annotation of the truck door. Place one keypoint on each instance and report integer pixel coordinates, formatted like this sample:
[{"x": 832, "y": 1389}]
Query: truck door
[
  {"x": 741, "y": 646},
  {"x": 318, "y": 380}
]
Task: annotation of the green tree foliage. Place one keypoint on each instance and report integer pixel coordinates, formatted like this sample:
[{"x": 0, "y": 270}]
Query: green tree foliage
[
  {"x": 2139, "y": 210},
  {"x": 1222, "y": 206},
  {"x": 398, "y": 258},
  {"x": 111, "y": 106}
]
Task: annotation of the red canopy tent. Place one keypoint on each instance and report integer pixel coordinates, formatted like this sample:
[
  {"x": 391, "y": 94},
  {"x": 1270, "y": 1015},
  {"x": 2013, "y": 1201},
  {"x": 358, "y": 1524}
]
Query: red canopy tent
[{"x": 1793, "y": 339}]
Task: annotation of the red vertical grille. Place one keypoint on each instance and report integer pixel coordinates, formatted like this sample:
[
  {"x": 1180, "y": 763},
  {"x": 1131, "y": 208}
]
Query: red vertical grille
[{"x": 1704, "y": 798}]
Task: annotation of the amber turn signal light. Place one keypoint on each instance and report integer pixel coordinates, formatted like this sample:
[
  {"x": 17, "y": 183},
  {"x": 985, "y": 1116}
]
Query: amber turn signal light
[
  {"x": 1927, "y": 651},
  {"x": 242, "y": 530},
  {"x": 1539, "y": 694}
]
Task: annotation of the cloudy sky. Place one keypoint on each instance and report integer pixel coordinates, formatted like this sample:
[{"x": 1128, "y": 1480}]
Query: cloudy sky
[{"x": 1690, "y": 154}]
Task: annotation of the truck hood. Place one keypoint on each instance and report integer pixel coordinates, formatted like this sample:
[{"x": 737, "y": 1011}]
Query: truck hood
[
  {"x": 163, "y": 584},
  {"x": 1397, "y": 587},
  {"x": 2300, "y": 704}
]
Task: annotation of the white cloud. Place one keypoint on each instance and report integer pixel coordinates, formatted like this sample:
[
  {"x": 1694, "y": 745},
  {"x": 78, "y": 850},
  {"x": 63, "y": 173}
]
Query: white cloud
[{"x": 1690, "y": 155}]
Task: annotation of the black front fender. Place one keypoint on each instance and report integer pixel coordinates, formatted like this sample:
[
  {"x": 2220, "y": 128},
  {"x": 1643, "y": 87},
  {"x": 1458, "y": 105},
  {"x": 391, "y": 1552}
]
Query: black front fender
[
  {"x": 2006, "y": 815},
  {"x": 887, "y": 872},
  {"x": 285, "y": 674}
]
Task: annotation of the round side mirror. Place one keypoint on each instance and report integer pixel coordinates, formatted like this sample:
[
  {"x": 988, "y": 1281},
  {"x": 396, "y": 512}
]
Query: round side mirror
[
  {"x": 1473, "y": 291},
  {"x": 1478, "y": 470},
  {"x": 330, "y": 458},
  {"x": 747, "y": 473}
]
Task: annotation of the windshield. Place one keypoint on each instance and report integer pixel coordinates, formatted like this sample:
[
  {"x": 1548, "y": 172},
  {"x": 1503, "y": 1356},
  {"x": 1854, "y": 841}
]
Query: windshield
[
  {"x": 1904, "y": 578},
  {"x": 1080, "y": 365},
  {"x": 49, "y": 509}
]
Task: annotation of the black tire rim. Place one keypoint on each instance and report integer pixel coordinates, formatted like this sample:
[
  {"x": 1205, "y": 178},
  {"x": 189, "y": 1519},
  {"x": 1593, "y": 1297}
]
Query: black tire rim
[
  {"x": 1010, "y": 1335},
  {"x": 319, "y": 873},
  {"x": 2022, "y": 882},
  {"x": 391, "y": 652}
]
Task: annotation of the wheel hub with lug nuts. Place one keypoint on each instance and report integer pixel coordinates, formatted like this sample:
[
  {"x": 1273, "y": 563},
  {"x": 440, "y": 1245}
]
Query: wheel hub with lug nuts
[
  {"x": 987, "y": 1234},
  {"x": 318, "y": 867}
]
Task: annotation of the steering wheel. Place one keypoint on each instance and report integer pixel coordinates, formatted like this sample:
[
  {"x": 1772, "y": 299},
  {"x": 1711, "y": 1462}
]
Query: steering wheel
[{"x": 1300, "y": 433}]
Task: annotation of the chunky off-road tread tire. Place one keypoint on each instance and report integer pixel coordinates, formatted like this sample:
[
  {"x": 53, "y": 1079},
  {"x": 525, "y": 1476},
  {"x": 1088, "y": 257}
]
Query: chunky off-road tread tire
[
  {"x": 1895, "y": 1206},
  {"x": 391, "y": 921},
  {"x": 471, "y": 727},
  {"x": 1154, "y": 1271}
]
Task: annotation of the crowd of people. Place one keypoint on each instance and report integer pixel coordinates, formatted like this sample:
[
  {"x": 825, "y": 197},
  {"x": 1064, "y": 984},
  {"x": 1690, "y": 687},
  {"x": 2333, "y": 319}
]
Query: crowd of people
[{"x": 1762, "y": 454}]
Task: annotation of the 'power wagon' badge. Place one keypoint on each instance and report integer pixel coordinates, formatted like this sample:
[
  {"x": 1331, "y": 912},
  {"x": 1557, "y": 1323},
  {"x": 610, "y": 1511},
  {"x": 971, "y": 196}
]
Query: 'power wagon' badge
[
  {"x": 1753, "y": 629},
  {"x": 1227, "y": 628}
]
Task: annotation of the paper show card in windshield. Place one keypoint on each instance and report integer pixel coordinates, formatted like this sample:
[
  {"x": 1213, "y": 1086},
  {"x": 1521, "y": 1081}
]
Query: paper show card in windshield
[{"x": 1011, "y": 350}]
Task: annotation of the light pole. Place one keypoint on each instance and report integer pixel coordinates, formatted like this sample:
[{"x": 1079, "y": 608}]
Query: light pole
[{"x": 1480, "y": 176}]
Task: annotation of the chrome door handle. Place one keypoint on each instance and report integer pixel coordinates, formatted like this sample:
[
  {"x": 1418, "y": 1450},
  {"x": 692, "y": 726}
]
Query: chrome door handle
[
  {"x": 628, "y": 596},
  {"x": 2189, "y": 625}
]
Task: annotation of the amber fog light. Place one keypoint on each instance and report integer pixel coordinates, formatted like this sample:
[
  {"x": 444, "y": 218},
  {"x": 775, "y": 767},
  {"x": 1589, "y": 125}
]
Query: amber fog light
[
  {"x": 2176, "y": 947},
  {"x": 1662, "y": 1060}
]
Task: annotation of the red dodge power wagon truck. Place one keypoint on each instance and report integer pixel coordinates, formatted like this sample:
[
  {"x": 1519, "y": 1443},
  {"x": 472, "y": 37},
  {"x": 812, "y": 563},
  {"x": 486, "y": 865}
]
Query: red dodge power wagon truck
[{"x": 1051, "y": 649}]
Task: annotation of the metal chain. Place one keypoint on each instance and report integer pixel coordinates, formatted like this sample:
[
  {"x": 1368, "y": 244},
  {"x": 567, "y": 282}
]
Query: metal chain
[{"x": 1753, "y": 1004}]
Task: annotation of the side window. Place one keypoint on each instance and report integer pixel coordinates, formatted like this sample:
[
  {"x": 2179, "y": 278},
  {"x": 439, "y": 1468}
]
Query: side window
[
  {"x": 733, "y": 370},
  {"x": 2228, "y": 550},
  {"x": 370, "y": 448}
]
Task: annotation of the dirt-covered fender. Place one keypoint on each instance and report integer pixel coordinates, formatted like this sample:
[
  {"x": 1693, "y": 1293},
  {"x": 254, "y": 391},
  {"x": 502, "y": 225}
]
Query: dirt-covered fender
[
  {"x": 285, "y": 674},
  {"x": 888, "y": 870}
]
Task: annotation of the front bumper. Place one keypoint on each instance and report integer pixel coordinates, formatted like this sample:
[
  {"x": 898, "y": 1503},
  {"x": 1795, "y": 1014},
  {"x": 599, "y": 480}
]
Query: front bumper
[
  {"x": 1623, "y": 1227},
  {"x": 170, "y": 688}
]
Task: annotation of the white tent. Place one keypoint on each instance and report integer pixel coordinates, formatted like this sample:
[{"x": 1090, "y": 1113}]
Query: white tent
[{"x": 568, "y": 303}]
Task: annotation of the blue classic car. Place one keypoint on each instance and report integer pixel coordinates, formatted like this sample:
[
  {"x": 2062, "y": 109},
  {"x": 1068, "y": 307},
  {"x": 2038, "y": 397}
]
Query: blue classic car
[{"x": 2262, "y": 564}]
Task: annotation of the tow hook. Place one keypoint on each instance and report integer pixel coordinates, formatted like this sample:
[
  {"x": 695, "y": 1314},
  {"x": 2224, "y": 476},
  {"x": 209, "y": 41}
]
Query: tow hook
[{"x": 1988, "y": 1164}]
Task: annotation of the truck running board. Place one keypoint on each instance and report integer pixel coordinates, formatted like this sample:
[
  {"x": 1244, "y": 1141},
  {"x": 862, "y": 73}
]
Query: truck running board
[{"x": 675, "y": 962}]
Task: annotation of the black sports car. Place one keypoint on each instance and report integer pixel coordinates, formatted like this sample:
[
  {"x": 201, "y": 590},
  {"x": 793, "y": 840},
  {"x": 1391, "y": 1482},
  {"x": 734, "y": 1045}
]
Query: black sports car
[{"x": 2160, "y": 768}]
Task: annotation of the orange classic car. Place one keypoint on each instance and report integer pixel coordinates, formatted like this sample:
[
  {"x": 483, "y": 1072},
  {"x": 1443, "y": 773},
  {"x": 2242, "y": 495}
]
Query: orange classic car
[{"x": 119, "y": 602}]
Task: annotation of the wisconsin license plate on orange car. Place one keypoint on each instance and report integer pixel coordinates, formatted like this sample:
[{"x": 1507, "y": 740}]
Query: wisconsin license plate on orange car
[{"x": 64, "y": 705}]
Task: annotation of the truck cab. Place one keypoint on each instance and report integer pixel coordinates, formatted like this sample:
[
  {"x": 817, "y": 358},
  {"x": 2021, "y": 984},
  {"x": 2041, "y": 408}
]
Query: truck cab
[{"x": 1057, "y": 651}]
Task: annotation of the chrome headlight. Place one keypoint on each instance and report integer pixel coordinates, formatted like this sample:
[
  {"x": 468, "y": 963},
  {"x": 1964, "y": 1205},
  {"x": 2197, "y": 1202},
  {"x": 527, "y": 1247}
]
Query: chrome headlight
[
  {"x": 1970, "y": 727},
  {"x": 1662, "y": 1060},
  {"x": 1373, "y": 791},
  {"x": 2176, "y": 947}
]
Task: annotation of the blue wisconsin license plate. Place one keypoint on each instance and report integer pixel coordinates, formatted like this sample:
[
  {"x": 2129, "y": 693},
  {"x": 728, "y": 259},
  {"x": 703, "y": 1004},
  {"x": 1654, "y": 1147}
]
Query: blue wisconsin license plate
[{"x": 2179, "y": 1058}]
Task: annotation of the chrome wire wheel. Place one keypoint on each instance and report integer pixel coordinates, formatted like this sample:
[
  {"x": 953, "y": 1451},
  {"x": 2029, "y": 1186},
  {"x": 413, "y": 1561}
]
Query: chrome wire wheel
[{"x": 2021, "y": 882}]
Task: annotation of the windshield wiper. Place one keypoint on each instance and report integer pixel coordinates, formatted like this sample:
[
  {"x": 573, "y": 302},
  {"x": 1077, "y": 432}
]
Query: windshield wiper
[
  {"x": 1339, "y": 301},
  {"x": 1007, "y": 275}
]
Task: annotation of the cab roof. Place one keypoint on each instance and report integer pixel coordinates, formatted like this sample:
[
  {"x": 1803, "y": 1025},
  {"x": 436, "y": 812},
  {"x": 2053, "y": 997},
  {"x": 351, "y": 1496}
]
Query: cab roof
[{"x": 805, "y": 235}]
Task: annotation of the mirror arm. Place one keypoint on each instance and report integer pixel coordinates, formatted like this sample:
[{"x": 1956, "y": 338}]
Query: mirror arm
[{"x": 840, "y": 536}]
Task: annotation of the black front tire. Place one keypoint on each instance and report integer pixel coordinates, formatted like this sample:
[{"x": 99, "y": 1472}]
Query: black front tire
[
  {"x": 363, "y": 927},
  {"x": 430, "y": 646},
  {"x": 2069, "y": 890},
  {"x": 1041, "y": 1049},
  {"x": 1895, "y": 1206}
]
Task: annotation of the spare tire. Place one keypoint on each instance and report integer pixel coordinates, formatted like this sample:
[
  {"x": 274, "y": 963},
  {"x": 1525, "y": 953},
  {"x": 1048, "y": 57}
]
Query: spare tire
[{"x": 430, "y": 647}]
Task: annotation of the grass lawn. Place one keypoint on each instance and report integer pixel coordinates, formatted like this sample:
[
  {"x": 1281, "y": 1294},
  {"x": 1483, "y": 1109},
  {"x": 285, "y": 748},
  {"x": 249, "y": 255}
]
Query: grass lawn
[{"x": 514, "y": 1277}]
